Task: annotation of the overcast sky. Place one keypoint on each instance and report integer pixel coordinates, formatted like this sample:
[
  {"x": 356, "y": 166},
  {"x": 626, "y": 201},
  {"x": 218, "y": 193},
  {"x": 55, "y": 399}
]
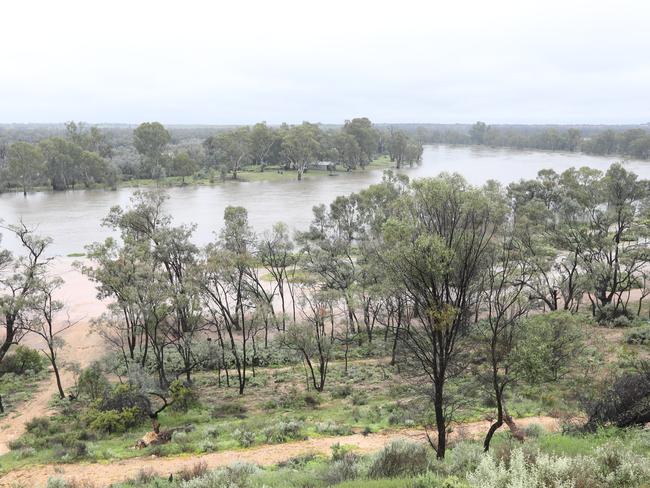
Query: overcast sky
[{"x": 219, "y": 62}]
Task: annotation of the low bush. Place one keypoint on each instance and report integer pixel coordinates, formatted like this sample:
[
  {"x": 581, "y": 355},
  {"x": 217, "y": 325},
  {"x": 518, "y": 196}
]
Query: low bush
[
  {"x": 235, "y": 476},
  {"x": 344, "y": 468},
  {"x": 400, "y": 458},
  {"x": 228, "y": 409},
  {"x": 92, "y": 383},
  {"x": 359, "y": 398},
  {"x": 283, "y": 432},
  {"x": 183, "y": 397},
  {"x": 38, "y": 426},
  {"x": 197, "y": 470},
  {"x": 22, "y": 360},
  {"x": 333, "y": 428},
  {"x": 613, "y": 316},
  {"x": 612, "y": 466},
  {"x": 112, "y": 421},
  {"x": 244, "y": 437},
  {"x": 534, "y": 430},
  {"x": 182, "y": 440},
  {"x": 342, "y": 391},
  {"x": 639, "y": 336}
]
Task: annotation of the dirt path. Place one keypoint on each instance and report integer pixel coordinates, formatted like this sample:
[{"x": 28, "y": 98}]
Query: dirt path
[
  {"x": 104, "y": 474},
  {"x": 81, "y": 347}
]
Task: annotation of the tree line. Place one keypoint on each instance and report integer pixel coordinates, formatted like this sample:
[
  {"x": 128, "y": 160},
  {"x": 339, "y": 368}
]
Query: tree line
[
  {"x": 630, "y": 143},
  {"x": 87, "y": 156},
  {"x": 457, "y": 282}
]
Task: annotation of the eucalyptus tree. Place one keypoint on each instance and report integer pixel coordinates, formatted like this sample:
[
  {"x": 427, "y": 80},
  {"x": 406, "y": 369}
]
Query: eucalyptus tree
[
  {"x": 62, "y": 159},
  {"x": 275, "y": 251},
  {"x": 170, "y": 253},
  {"x": 262, "y": 141},
  {"x": 365, "y": 137},
  {"x": 328, "y": 251},
  {"x": 225, "y": 291},
  {"x": 504, "y": 301},
  {"x": 414, "y": 151},
  {"x": 91, "y": 138},
  {"x": 347, "y": 150},
  {"x": 19, "y": 279},
  {"x": 301, "y": 146},
  {"x": 397, "y": 146},
  {"x": 150, "y": 140},
  {"x": 310, "y": 339},
  {"x": 616, "y": 249},
  {"x": 184, "y": 165},
  {"x": 230, "y": 149},
  {"x": 45, "y": 322},
  {"x": 435, "y": 248},
  {"x": 25, "y": 164}
]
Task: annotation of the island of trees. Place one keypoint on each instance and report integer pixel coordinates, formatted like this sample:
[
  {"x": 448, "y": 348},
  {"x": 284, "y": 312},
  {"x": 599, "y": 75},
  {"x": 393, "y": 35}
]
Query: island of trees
[{"x": 87, "y": 157}]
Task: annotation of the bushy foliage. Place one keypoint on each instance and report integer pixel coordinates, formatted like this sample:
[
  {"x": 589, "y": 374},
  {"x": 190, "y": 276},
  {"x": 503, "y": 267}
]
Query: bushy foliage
[
  {"x": 344, "y": 467},
  {"x": 124, "y": 396},
  {"x": 400, "y": 458},
  {"x": 235, "y": 476},
  {"x": 183, "y": 397},
  {"x": 625, "y": 402},
  {"x": 283, "y": 431},
  {"x": 228, "y": 409},
  {"x": 92, "y": 383},
  {"x": 23, "y": 359},
  {"x": 111, "y": 421},
  {"x": 613, "y": 316},
  {"x": 639, "y": 336},
  {"x": 612, "y": 466},
  {"x": 244, "y": 437}
]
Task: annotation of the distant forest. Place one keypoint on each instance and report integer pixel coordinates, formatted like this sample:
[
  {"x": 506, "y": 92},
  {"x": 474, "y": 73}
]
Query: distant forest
[
  {"x": 623, "y": 141},
  {"x": 74, "y": 155}
]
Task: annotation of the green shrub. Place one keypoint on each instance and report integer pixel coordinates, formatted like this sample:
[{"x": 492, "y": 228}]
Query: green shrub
[
  {"x": 430, "y": 480},
  {"x": 56, "y": 483},
  {"x": 283, "y": 432},
  {"x": 92, "y": 383},
  {"x": 182, "y": 440},
  {"x": 23, "y": 359},
  {"x": 614, "y": 316},
  {"x": 638, "y": 336},
  {"x": 333, "y": 428},
  {"x": 207, "y": 445},
  {"x": 344, "y": 468},
  {"x": 183, "y": 397},
  {"x": 126, "y": 396},
  {"x": 611, "y": 466},
  {"x": 111, "y": 421},
  {"x": 360, "y": 398},
  {"x": 400, "y": 458},
  {"x": 235, "y": 476},
  {"x": 342, "y": 391},
  {"x": 463, "y": 458},
  {"x": 228, "y": 409},
  {"x": 534, "y": 430},
  {"x": 39, "y": 426},
  {"x": 244, "y": 437}
]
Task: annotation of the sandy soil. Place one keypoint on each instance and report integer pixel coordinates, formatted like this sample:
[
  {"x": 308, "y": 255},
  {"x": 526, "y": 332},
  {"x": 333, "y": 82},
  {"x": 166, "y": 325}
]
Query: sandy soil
[
  {"x": 82, "y": 346},
  {"x": 104, "y": 474}
]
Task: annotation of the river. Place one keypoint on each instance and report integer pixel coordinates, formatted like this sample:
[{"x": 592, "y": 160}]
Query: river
[{"x": 73, "y": 218}]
